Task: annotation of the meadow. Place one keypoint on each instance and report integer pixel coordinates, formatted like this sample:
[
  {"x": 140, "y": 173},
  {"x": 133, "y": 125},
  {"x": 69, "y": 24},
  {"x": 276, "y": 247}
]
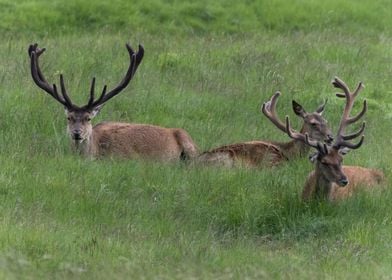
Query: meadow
[{"x": 208, "y": 67}]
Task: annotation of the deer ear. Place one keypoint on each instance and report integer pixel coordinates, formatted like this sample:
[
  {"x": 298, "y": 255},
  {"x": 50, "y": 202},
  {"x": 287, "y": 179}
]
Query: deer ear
[
  {"x": 344, "y": 151},
  {"x": 96, "y": 110},
  {"x": 298, "y": 109}
]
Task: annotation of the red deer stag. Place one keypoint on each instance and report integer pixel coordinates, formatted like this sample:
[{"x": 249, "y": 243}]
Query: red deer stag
[
  {"x": 114, "y": 138},
  {"x": 330, "y": 180},
  {"x": 268, "y": 153}
]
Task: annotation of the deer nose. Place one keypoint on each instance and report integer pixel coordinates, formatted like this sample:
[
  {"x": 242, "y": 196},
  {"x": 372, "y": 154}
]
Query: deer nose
[
  {"x": 343, "y": 182},
  {"x": 76, "y": 135}
]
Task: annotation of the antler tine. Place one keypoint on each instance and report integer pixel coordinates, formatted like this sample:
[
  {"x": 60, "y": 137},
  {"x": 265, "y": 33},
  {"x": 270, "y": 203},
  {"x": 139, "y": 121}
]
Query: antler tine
[
  {"x": 139, "y": 54},
  {"x": 360, "y": 114},
  {"x": 320, "y": 109},
  {"x": 92, "y": 89},
  {"x": 359, "y": 88},
  {"x": 314, "y": 143},
  {"x": 351, "y": 145},
  {"x": 39, "y": 78},
  {"x": 292, "y": 133},
  {"x": 56, "y": 93},
  {"x": 135, "y": 60},
  {"x": 64, "y": 92},
  {"x": 355, "y": 134},
  {"x": 269, "y": 110},
  {"x": 101, "y": 96},
  {"x": 338, "y": 83},
  {"x": 38, "y": 52},
  {"x": 354, "y": 94}
]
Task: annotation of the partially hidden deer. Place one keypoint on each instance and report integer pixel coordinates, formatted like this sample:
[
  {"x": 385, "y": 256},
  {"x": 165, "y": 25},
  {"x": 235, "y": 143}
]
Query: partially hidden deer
[
  {"x": 331, "y": 180},
  {"x": 270, "y": 153},
  {"x": 114, "y": 138}
]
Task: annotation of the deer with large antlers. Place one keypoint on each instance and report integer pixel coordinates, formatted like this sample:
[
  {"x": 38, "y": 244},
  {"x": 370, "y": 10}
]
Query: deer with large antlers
[
  {"x": 330, "y": 180},
  {"x": 114, "y": 138},
  {"x": 269, "y": 153}
]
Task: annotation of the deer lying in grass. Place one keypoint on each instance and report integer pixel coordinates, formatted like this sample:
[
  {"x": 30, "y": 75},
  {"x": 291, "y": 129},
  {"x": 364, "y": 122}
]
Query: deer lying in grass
[
  {"x": 268, "y": 153},
  {"x": 114, "y": 138},
  {"x": 330, "y": 180}
]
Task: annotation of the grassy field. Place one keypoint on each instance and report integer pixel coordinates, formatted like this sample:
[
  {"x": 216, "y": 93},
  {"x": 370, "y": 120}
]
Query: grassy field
[{"x": 207, "y": 68}]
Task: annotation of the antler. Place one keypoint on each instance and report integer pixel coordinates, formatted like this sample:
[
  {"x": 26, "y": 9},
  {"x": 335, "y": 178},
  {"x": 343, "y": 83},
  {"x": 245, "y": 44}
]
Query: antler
[
  {"x": 321, "y": 108},
  {"x": 135, "y": 59},
  {"x": 39, "y": 78},
  {"x": 269, "y": 110},
  {"x": 341, "y": 140}
]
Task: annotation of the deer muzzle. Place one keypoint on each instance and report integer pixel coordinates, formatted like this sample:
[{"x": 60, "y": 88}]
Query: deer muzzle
[
  {"x": 76, "y": 135},
  {"x": 343, "y": 181}
]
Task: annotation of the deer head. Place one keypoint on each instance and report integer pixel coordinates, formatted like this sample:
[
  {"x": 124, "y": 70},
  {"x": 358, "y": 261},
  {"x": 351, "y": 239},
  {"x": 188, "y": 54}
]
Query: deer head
[
  {"x": 329, "y": 158},
  {"x": 79, "y": 117},
  {"x": 314, "y": 123}
]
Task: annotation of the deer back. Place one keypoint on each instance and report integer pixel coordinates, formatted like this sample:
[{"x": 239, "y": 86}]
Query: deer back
[
  {"x": 248, "y": 154},
  {"x": 142, "y": 141}
]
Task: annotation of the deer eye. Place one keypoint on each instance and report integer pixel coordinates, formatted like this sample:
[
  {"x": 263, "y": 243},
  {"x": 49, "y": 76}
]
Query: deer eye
[
  {"x": 68, "y": 118},
  {"x": 88, "y": 119}
]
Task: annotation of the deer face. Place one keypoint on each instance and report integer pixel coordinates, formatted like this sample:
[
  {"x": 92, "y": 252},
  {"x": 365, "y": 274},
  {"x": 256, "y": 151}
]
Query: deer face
[
  {"x": 314, "y": 123},
  {"x": 317, "y": 127},
  {"x": 330, "y": 166},
  {"x": 79, "y": 125}
]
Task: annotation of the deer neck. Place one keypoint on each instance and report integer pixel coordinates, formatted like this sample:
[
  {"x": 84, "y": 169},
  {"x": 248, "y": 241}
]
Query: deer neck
[
  {"x": 85, "y": 147},
  {"x": 294, "y": 148},
  {"x": 323, "y": 186}
]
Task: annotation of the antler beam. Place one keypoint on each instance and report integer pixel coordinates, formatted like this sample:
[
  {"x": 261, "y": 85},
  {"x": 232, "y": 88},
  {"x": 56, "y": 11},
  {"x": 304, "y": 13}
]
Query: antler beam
[{"x": 269, "y": 110}]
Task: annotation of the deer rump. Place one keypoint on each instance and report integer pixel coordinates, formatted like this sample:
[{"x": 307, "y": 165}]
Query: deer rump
[{"x": 248, "y": 154}]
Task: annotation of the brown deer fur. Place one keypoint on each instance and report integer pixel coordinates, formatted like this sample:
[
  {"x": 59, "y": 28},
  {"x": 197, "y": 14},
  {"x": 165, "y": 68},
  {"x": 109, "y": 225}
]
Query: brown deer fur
[
  {"x": 250, "y": 154},
  {"x": 138, "y": 141}
]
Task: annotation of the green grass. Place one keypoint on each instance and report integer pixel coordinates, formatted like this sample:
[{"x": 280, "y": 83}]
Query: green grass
[{"x": 207, "y": 68}]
